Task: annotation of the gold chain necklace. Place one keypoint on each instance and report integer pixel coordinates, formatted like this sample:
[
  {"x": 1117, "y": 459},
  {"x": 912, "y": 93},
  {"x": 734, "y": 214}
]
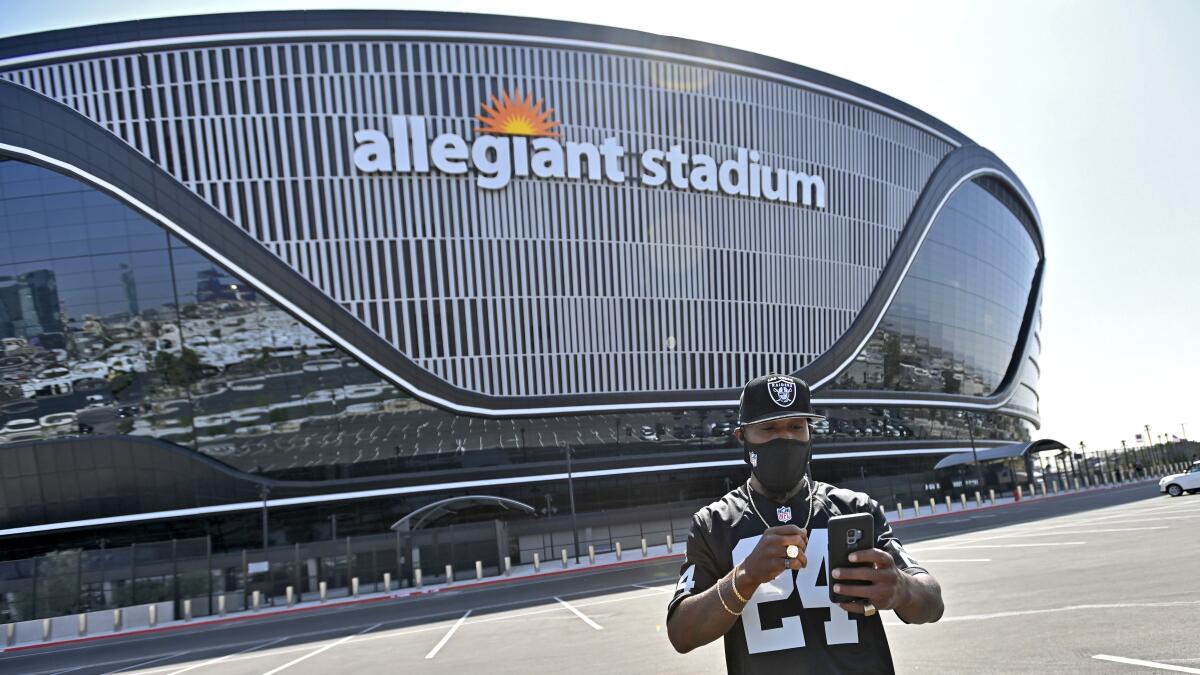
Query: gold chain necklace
[{"x": 811, "y": 503}]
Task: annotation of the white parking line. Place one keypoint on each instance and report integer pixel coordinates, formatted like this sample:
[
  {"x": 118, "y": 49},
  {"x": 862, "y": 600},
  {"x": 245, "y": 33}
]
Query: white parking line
[
  {"x": 579, "y": 614},
  {"x": 446, "y": 638},
  {"x": 1055, "y": 532},
  {"x": 222, "y": 658},
  {"x": 311, "y": 654},
  {"x": 1146, "y": 664},
  {"x": 958, "y": 560},
  {"x": 660, "y": 589},
  {"x": 146, "y": 663},
  {"x": 1069, "y": 608},
  {"x": 957, "y": 548}
]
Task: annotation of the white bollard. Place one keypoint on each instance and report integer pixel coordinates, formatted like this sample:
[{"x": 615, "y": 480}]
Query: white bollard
[
  {"x": 1077, "y": 488},
  {"x": 564, "y": 558},
  {"x": 154, "y": 614},
  {"x": 354, "y": 587},
  {"x": 479, "y": 570},
  {"x": 537, "y": 563},
  {"x": 916, "y": 509},
  {"x": 932, "y": 506},
  {"x": 291, "y": 596},
  {"x": 449, "y": 574},
  {"x": 977, "y": 499},
  {"x": 643, "y": 547},
  {"x": 991, "y": 496},
  {"x": 417, "y": 578},
  {"x": 83, "y": 624},
  {"x": 507, "y": 566},
  {"x": 669, "y": 543},
  {"x": 948, "y": 509},
  {"x": 10, "y": 634},
  {"x": 591, "y": 554},
  {"x": 618, "y": 550},
  {"x": 323, "y": 587},
  {"x": 962, "y": 497},
  {"x": 387, "y": 582},
  {"x": 221, "y": 605},
  {"x": 256, "y": 600},
  {"x": 117, "y": 619},
  {"x": 187, "y": 609},
  {"x": 48, "y": 629},
  {"x": 899, "y": 511}
]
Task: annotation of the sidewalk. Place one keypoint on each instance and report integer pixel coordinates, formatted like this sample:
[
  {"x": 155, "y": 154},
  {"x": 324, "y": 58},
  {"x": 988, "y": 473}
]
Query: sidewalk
[{"x": 525, "y": 572}]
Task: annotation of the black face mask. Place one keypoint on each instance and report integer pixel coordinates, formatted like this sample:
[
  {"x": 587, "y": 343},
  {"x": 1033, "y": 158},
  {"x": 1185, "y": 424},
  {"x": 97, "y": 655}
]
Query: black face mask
[{"x": 779, "y": 464}]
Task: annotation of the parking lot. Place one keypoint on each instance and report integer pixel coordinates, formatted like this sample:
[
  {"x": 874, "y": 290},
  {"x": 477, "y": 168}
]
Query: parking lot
[{"x": 1103, "y": 582}]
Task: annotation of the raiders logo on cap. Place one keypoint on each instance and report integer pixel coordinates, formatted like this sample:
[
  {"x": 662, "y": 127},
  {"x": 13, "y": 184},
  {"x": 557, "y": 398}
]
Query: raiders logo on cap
[{"x": 783, "y": 390}]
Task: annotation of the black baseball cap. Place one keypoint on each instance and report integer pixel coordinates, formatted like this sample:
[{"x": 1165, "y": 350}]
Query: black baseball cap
[{"x": 773, "y": 397}]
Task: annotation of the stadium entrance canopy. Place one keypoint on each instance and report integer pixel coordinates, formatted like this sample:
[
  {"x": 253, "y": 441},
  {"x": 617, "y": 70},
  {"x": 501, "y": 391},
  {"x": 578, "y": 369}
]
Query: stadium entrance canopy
[
  {"x": 449, "y": 507},
  {"x": 1001, "y": 453}
]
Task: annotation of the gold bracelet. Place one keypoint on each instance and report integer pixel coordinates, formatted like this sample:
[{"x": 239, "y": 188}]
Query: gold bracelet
[
  {"x": 733, "y": 585},
  {"x": 722, "y": 599}
]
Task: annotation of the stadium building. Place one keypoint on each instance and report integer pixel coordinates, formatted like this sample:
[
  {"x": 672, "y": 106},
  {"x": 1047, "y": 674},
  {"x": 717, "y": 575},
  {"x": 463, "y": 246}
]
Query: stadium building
[{"x": 352, "y": 263}]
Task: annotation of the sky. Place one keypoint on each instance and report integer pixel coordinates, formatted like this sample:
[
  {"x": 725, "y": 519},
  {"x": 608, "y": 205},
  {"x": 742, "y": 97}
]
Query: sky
[{"x": 1093, "y": 104}]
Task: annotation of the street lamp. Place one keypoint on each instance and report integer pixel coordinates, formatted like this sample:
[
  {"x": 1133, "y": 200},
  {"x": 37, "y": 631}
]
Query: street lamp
[{"x": 571, "y": 490}]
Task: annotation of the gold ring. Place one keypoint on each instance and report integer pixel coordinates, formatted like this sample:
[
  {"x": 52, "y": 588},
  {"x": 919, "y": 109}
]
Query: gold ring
[
  {"x": 869, "y": 609},
  {"x": 793, "y": 551}
]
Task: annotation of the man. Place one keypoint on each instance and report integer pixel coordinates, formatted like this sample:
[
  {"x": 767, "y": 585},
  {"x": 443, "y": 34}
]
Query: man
[{"x": 755, "y": 570}]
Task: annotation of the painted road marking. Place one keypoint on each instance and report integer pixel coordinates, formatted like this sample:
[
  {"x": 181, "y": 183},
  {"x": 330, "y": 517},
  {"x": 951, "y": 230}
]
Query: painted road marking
[
  {"x": 222, "y": 658},
  {"x": 660, "y": 589},
  {"x": 1146, "y": 664},
  {"x": 957, "y": 560},
  {"x": 146, "y": 663},
  {"x": 311, "y": 654},
  {"x": 1038, "y": 544},
  {"x": 579, "y": 614},
  {"x": 446, "y": 638},
  {"x": 1054, "y": 533},
  {"x": 1070, "y": 608}
]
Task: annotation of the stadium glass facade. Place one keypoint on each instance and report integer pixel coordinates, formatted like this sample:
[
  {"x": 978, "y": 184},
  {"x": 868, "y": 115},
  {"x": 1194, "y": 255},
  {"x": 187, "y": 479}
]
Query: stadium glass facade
[{"x": 283, "y": 268}]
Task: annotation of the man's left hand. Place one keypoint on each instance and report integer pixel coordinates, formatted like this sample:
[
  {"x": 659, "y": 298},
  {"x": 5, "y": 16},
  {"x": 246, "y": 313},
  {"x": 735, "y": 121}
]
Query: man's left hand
[{"x": 887, "y": 588}]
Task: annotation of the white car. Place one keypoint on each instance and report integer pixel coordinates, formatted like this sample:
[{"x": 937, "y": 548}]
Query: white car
[{"x": 1177, "y": 484}]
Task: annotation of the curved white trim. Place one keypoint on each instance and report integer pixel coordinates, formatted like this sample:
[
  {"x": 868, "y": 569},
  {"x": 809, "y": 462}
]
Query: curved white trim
[
  {"x": 904, "y": 274},
  {"x": 465, "y": 35},
  {"x": 435, "y": 487}
]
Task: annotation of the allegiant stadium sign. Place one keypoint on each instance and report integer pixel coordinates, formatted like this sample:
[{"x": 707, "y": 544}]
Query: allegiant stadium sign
[{"x": 517, "y": 140}]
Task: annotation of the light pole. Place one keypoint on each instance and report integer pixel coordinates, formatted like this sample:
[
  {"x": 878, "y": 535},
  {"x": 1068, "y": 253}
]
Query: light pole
[
  {"x": 264, "y": 491},
  {"x": 571, "y": 491}
]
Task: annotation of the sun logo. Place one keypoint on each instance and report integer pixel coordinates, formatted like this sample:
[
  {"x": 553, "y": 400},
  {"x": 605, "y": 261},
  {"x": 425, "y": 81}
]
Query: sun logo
[{"x": 516, "y": 116}]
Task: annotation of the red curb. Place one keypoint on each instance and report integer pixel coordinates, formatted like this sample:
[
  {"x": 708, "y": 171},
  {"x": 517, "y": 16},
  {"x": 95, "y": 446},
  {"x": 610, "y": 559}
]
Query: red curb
[{"x": 344, "y": 603}]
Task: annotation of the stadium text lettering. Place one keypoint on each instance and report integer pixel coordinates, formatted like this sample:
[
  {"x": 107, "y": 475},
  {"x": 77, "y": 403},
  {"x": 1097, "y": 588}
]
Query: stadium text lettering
[{"x": 497, "y": 159}]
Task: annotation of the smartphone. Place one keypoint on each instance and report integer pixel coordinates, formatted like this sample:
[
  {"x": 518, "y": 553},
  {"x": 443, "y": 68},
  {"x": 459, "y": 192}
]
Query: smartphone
[{"x": 847, "y": 534}]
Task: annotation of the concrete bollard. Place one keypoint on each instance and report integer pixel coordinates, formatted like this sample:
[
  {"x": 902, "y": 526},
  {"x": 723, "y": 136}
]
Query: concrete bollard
[
  {"x": 948, "y": 509},
  {"x": 507, "y": 566},
  {"x": 669, "y": 543},
  {"x": 417, "y": 578},
  {"x": 977, "y": 499},
  {"x": 187, "y": 609},
  {"x": 154, "y": 614},
  {"x": 323, "y": 587},
  {"x": 591, "y": 554},
  {"x": 478, "y": 570},
  {"x": 354, "y": 587},
  {"x": 537, "y": 564},
  {"x": 991, "y": 496},
  {"x": 48, "y": 629},
  {"x": 10, "y": 634},
  {"x": 932, "y": 506},
  {"x": 255, "y": 600},
  {"x": 643, "y": 547},
  {"x": 83, "y": 624},
  {"x": 899, "y": 511},
  {"x": 564, "y": 558},
  {"x": 962, "y": 497},
  {"x": 449, "y": 574},
  {"x": 387, "y": 582},
  {"x": 916, "y": 509},
  {"x": 221, "y": 605},
  {"x": 1077, "y": 488},
  {"x": 117, "y": 618},
  {"x": 618, "y": 550},
  {"x": 1017, "y": 493},
  {"x": 291, "y": 596},
  {"x": 1033, "y": 489}
]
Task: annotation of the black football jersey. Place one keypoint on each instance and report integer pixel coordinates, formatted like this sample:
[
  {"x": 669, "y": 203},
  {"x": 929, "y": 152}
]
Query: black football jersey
[{"x": 789, "y": 625}]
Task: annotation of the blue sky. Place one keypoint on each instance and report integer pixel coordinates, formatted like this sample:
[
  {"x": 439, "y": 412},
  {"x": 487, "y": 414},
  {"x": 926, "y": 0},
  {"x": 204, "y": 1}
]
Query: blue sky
[{"x": 1092, "y": 103}]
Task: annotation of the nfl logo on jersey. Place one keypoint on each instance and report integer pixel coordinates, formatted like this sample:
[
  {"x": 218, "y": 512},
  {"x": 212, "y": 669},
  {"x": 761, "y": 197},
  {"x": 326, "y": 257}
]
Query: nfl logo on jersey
[
  {"x": 784, "y": 514},
  {"x": 783, "y": 391}
]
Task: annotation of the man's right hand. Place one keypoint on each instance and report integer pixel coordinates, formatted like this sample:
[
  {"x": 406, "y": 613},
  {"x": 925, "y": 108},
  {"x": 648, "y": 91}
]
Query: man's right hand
[{"x": 769, "y": 557}]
